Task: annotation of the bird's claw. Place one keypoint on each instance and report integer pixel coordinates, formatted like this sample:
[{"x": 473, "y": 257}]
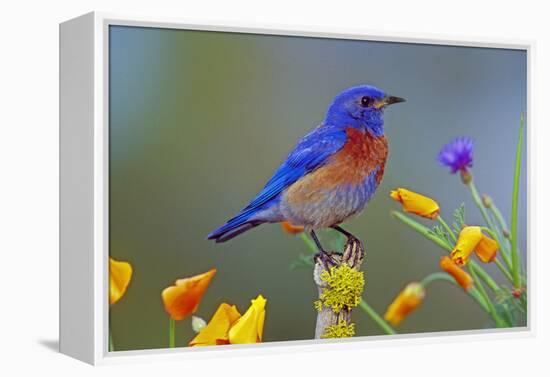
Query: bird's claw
[
  {"x": 354, "y": 252},
  {"x": 326, "y": 259}
]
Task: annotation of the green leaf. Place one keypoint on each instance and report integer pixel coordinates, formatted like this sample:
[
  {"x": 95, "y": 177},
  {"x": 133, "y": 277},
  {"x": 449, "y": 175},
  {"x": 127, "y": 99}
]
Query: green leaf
[
  {"x": 515, "y": 199},
  {"x": 510, "y": 307},
  {"x": 422, "y": 229},
  {"x": 459, "y": 218},
  {"x": 438, "y": 231},
  {"x": 303, "y": 261}
]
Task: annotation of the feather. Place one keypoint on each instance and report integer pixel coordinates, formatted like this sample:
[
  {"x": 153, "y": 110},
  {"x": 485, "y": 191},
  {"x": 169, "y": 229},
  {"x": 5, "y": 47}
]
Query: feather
[{"x": 311, "y": 152}]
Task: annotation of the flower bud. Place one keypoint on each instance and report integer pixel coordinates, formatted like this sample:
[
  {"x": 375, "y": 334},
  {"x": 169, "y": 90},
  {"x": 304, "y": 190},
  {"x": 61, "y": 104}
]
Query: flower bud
[
  {"x": 461, "y": 277},
  {"x": 486, "y": 200},
  {"x": 416, "y": 203},
  {"x": 516, "y": 292},
  {"x": 466, "y": 177},
  {"x": 197, "y": 324},
  {"x": 407, "y": 301}
]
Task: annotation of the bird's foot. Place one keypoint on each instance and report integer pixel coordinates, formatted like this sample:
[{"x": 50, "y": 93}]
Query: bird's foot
[
  {"x": 326, "y": 259},
  {"x": 354, "y": 247},
  {"x": 354, "y": 252}
]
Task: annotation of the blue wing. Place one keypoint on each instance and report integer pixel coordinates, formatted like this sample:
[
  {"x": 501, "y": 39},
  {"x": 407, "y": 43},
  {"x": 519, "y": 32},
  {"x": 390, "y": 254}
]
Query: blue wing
[{"x": 311, "y": 152}]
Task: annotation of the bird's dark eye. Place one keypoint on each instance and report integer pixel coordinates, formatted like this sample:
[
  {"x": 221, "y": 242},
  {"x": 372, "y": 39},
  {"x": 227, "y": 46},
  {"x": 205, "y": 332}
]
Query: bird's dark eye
[{"x": 366, "y": 101}]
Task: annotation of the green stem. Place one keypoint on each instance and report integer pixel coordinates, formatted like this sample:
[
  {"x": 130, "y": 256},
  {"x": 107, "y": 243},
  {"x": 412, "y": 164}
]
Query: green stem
[
  {"x": 474, "y": 293},
  {"x": 498, "y": 215},
  {"x": 479, "y": 204},
  {"x": 385, "y": 326},
  {"x": 492, "y": 311},
  {"x": 111, "y": 344},
  {"x": 425, "y": 231},
  {"x": 503, "y": 269},
  {"x": 484, "y": 275},
  {"x": 172, "y": 333},
  {"x": 515, "y": 197},
  {"x": 504, "y": 249},
  {"x": 491, "y": 229},
  {"x": 435, "y": 277},
  {"x": 446, "y": 226}
]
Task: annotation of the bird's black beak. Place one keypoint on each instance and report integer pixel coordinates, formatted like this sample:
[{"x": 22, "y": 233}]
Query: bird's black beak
[{"x": 390, "y": 100}]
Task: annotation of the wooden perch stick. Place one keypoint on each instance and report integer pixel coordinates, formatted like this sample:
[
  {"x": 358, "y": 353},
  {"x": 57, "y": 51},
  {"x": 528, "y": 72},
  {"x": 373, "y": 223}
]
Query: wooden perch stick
[{"x": 327, "y": 316}]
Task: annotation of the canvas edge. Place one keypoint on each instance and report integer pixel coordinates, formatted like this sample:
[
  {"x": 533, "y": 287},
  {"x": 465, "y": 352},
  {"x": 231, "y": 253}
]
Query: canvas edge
[
  {"x": 315, "y": 31},
  {"x": 101, "y": 22},
  {"x": 76, "y": 190},
  {"x": 531, "y": 184}
]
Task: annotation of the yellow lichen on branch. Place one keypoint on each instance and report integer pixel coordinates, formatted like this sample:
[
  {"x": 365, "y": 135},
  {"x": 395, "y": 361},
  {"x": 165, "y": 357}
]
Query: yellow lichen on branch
[
  {"x": 344, "y": 286},
  {"x": 340, "y": 330},
  {"x": 340, "y": 285}
]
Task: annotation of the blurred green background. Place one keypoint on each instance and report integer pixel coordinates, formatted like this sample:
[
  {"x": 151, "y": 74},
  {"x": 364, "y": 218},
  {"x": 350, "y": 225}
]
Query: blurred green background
[{"x": 198, "y": 122}]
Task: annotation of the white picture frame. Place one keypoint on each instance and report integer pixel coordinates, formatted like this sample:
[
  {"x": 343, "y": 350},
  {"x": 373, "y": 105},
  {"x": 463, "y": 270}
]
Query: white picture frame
[{"x": 84, "y": 189}]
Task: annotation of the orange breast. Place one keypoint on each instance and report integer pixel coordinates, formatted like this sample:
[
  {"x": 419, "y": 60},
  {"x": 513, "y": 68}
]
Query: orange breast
[{"x": 359, "y": 157}]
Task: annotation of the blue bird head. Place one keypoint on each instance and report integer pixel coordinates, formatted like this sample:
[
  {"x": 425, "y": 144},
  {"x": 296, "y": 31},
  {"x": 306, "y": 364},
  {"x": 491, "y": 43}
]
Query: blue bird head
[{"x": 361, "y": 107}]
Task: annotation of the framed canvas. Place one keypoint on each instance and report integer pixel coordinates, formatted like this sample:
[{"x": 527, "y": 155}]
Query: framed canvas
[{"x": 229, "y": 189}]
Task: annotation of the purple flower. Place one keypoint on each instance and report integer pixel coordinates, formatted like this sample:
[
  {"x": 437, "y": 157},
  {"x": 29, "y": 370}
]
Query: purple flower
[{"x": 458, "y": 154}]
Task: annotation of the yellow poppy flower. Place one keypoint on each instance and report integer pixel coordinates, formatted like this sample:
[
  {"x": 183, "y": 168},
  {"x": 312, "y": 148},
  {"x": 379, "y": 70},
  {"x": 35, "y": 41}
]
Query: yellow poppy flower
[
  {"x": 486, "y": 249},
  {"x": 290, "y": 228},
  {"x": 468, "y": 239},
  {"x": 407, "y": 301},
  {"x": 217, "y": 330},
  {"x": 415, "y": 203},
  {"x": 120, "y": 274},
  {"x": 183, "y": 298},
  {"x": 461, "y": 277},
  {"x": 250, "y": 327},
  {"x": 227, "y": 326}
]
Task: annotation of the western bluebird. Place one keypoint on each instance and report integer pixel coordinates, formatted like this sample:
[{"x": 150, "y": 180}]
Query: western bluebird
[{"x": 330, "y": 175}]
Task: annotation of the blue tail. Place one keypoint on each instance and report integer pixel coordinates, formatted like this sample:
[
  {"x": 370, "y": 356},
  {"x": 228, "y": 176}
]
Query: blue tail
[{"x": 237, "y": 225}]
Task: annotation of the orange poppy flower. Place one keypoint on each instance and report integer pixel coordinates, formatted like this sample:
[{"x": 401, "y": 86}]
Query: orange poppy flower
[
  {"x": 183, "y": 298},
  {"x": 217, "y": 330},
  {"x": 486, "y": 249},
  {"x": 290, "y": 228},
  {"x": 120, "y": 274},
  {"x": 415, "y": 203},
  {"x": 227, "y": 326},
  {"x": 407, "y": 301},
  {"x": 461, "y": 277},
  {"x": 250, "y": 327},
  {"x": 468, "y": 239}
]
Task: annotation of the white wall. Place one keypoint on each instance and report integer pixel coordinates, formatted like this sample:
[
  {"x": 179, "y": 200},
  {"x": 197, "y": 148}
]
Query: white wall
[{"x": 29, "y": 186}]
